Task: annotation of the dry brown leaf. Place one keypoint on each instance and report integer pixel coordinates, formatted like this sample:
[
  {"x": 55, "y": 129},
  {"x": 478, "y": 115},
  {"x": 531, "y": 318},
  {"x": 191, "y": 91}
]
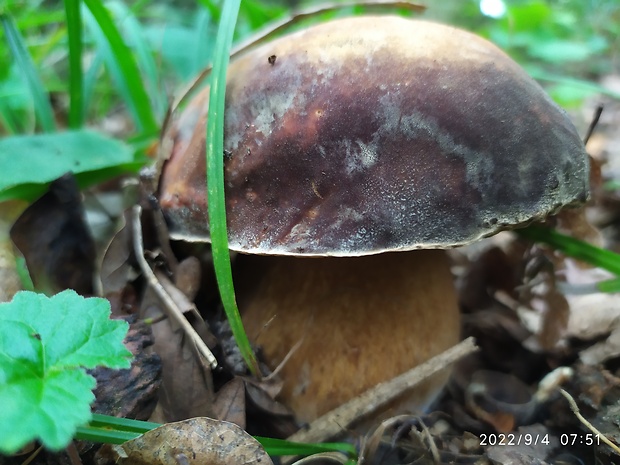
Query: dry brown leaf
[
  {"x": 53, "y": 237},
  {"x": 187, "y": 387},
  {"x": 229, "y": 402},
  {"x": 574, "y": 222},
  {"x": 197, "y": 441},
  {"x": 593, "y": 316},
  {"x": 116, "y": 268},
  {"x": 262, "y": 396}
]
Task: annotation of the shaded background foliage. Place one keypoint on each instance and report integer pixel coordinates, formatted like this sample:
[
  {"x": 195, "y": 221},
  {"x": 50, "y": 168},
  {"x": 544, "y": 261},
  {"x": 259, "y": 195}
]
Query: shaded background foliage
[{"x": 559, "y": 42}]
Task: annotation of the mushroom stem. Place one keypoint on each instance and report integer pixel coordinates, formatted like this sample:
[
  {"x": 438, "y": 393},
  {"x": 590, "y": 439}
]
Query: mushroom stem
[{"x": 361, "y": 321}]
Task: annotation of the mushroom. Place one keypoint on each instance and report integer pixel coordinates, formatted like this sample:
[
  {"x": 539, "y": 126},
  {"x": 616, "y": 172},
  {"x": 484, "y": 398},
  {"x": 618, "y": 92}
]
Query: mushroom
[{"x": 360, "y": 142}]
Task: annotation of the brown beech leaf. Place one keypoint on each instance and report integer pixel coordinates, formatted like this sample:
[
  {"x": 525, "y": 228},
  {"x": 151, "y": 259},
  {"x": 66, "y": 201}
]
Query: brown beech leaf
[
  {"x": 197, "y": 441},
  {"x": 187, "y": 387},
  {"x": 230, "y": 402}
]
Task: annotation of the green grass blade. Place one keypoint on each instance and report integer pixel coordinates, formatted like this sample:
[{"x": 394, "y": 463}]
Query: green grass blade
[
  {"x": 578, "y": 83},
  {"x": 104, "y": 435},
  {"x": 43, "y": 108},
  {"x": 283, "y": 447},
  {"x": 611, "y": 285},
  {"x": 113, "y": 430},
  {"x": 572, "y": 247},
  {"x": 215, "y": 179},
  {"x": 76, "y": 80},
  {"x": 122, "y": 424},
  {"x": 129, "y": 78},
  {"x": 135, "y": 33}
]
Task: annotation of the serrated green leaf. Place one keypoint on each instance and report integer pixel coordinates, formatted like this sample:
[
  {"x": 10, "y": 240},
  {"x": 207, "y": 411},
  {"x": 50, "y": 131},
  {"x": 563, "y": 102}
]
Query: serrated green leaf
[{"x": 45, "y": 344}]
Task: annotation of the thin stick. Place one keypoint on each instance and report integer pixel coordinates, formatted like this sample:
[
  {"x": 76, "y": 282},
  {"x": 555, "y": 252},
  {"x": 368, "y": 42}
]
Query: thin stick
[
  {"x": 338, "y": 420},
  {"x": 593, "y": 123},
  {"x": 74, "y": 456},
  {"x": 590, "y": 426},
  {"x": 169, "y": 307}
]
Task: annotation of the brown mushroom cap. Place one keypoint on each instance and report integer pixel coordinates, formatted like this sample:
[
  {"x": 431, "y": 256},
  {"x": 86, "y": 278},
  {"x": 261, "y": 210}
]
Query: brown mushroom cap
[{"x": 372, "y": 134}]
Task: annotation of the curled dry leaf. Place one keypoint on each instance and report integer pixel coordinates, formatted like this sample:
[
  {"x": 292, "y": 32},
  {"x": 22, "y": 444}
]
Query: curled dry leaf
[
  {"x": 196, "y": 441},
  {"x": 116, "y": 265},
  {"x": 117, "y": 270},
  {"x": 55, "y": 241}
]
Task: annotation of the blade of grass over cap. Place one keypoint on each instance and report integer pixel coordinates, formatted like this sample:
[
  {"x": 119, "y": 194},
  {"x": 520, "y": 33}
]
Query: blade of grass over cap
[
  {"x": 76, "y": 88},
  {"x": 42, "y": 105},
  {"x": 215, "y": 179},
  {"x": 128, "y": 74}
]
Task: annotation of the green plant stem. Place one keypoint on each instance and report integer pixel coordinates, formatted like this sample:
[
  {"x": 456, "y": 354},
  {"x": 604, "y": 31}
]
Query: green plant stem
[
  {"x": 76, "y": 86},
  {"x": 215, "y": 180}
]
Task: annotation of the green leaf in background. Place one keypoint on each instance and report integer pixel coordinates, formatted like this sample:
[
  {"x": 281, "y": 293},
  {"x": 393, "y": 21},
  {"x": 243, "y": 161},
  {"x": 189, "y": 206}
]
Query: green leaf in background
[
  {"x": 177, "y": 44},
  {"x": 28, "y": 163},
  {"x": 563, "y": 51},
  {"x": 16, "y": 110},
  {"x": 45, "y": 345}
]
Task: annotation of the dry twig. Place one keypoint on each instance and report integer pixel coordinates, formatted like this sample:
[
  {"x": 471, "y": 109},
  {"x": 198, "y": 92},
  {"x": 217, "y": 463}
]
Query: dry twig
[
  {"x": 169, "y": 307},
  {"x": 340, "y": 419},
  {"x": 586, "y": 423}
]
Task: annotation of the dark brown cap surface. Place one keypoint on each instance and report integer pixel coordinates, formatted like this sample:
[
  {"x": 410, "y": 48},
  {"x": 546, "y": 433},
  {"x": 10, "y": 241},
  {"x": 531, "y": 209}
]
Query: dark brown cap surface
[{"x": 373, "y": 134}]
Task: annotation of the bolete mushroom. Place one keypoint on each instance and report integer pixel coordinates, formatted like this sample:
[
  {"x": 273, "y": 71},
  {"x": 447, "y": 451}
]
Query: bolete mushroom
[{"x": 362, "y": 141}]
